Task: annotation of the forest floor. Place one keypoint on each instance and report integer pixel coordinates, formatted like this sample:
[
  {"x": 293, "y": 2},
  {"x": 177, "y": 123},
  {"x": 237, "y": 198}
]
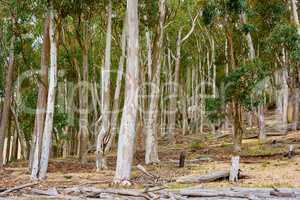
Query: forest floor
[{"x": 264, "y": 164}]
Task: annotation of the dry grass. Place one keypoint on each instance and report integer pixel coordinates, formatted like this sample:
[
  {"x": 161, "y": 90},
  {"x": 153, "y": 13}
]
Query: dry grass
[{"x": 264, "y": 163}]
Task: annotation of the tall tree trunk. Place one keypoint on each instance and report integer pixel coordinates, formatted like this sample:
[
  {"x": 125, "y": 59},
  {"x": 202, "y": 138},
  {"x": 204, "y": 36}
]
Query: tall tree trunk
[
  {"x": 116, "y": 102},
  {"x": 8, "y": 94},
  {"x": 285, "y": 92},
  {"x": 174, "y": 89},
  {"x": 295, "y": 15},
  {"x": 151, "y": 155},
  {"x": 35, "y": 150},
  {"x": 297, "y": 95},
  {"x": 260, "y": 110},
  {"x": 105, "y": 95},
  {"x": 237, "y": 117},
  {"x": 50, "y": 101},
  {"x": 83, "y": 123},
  {"x": 128, "y": 123}
]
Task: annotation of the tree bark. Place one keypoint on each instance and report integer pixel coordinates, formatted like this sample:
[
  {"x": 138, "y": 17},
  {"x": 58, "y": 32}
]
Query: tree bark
[
  {"x": 83, "y": 121},
  {"x": 174, "y": 89},
  {"x": 116, "y": 102},
  {"x": 234, "y": 170},
  {"x": 285, "y": 93},
  {"x": 50, "y": 100},
  {"x": 128, "y": 123},
  {"x": 105, "y": 95},
  {"x": 35, "y": 150},
  {"x": 8, "y": 94},
  {"x": 151, "y": 155},
  {"x": 295, "y": 15}
]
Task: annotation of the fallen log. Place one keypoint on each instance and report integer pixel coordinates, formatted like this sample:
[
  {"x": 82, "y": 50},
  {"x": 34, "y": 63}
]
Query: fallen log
[
  {"x": 267, "y": 134},
  {"x": 276, "y": 192},
  {"x": 283, "y": 194},
  {"x": 199, "y": 193},
  {"x": 124, "y": 192},
  {"x": 3, "y": 189},
  {"x": 50, "y": 192},
  {"x": 96, "y": 182},
  {"x": 17, "y": 188},
  {"x": 204, "y": 178}
]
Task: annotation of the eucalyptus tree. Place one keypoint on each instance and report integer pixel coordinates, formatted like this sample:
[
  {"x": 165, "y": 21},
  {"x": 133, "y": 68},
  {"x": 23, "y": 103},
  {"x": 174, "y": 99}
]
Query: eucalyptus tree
[
  {"x": 105, "y": 95},
  {"x": 128, "y": 123},
  {"x": 180, "y": 39},
  {"x": 5, "y": 117},
  {"x": 151, "y": 154},
  {"x": 41, "y": 102}
]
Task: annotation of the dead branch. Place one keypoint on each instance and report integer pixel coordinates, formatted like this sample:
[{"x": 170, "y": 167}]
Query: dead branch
[
  {"x": 196, "y": 193},
  {"x": 17, "y": 188},
  {"x": 50, "y": 192},
  {"x": 124, "y": 192},
  {"x": 144, "y": 171},
  {"x": 204, "y": 178}
]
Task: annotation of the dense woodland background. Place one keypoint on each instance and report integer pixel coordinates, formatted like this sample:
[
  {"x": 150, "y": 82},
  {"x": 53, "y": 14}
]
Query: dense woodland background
[{"x": 116, "y": 83}]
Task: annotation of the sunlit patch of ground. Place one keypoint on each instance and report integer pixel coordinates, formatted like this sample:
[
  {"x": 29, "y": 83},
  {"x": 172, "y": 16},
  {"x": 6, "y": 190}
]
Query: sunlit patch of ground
[{"x": 264, "y": 163}]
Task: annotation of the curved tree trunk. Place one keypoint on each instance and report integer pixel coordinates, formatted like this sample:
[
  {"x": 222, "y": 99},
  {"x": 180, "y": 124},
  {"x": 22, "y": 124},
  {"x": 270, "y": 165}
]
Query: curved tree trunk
[{"x": 105, "y": 95}]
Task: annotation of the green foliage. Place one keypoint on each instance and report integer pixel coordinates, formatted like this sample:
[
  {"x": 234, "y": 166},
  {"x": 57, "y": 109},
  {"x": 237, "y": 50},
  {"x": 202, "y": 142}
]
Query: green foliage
[
  {"x": 248, "y": 28},
  {"x": 213, "y": 109},
  {"x": 242, "y": 83},
  {"x": 284, "y": 36},
  {"x": 270, "y": 12},
  {"x": 29, "y": 97},
  {"x": 236, "y": 6},
  {"x": 209, "y": 12},
  {"x": 196, "y": 145},
  {"x": 60, "y": 121}
]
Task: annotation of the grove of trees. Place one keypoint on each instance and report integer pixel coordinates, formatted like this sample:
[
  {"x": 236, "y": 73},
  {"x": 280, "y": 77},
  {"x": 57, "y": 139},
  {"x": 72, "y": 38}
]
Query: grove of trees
[{"x": 80, "y": 78}]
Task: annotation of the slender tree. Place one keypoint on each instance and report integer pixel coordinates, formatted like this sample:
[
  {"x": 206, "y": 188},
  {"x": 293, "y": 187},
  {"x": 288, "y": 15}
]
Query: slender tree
[
  {"x": 48, "y": 128},
  {"x": 5, "y": 118},
  {"x": 35, "y": 151},
  {"x": 128, "y": 123},
  {"x": 105, "y": 97}
]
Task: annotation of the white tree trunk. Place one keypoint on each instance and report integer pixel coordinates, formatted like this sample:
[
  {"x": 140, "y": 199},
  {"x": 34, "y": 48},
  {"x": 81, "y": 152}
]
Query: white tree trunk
[
  {"x": 35, "y": 151},
  {"x": 296, "y": 108},
  {"x": 295, "y": 15},
  {"x": 248, "y": 37},
  {"x": 83, "y": 98},
  {"x": 174, "y": 85},
  {"x": 116, "y": 103},
  {"x": 151, "y": 155},
  {"x": 285, "y": 93},
  {"x": 105, "y": 96},
  {"x": 234, "y": 170},
  {"x": 128, "y": 123},
  {"x": 50, "y": 100},
  {"x": 261, "y": 123}
]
